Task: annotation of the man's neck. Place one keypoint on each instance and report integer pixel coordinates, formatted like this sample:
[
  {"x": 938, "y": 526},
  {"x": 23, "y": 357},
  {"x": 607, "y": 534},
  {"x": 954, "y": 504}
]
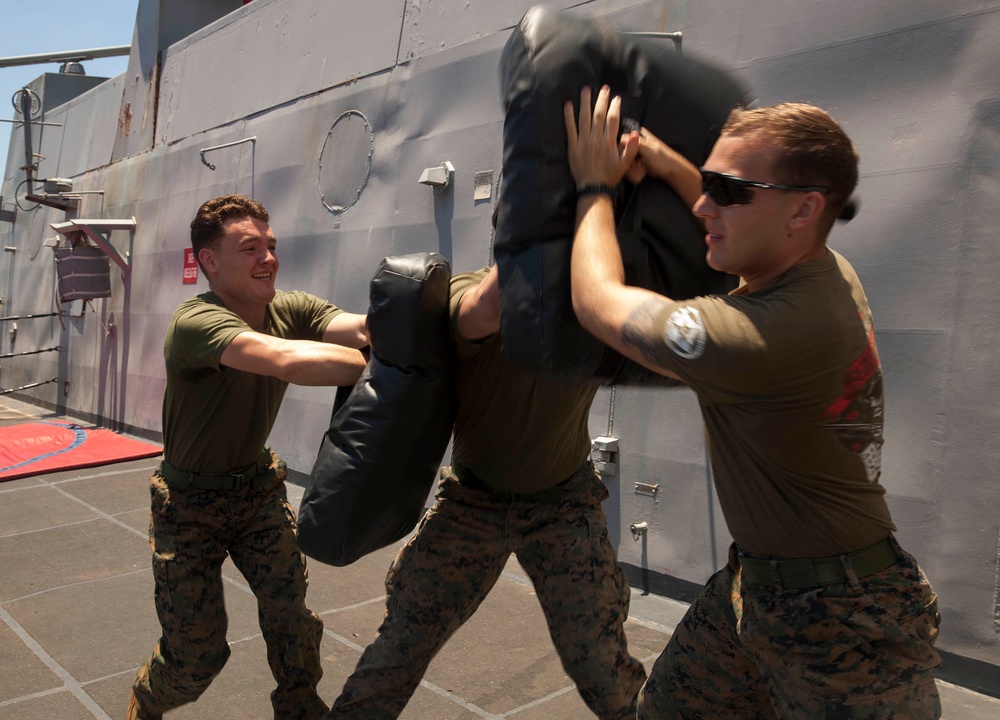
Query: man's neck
[
  {"x": 766, "y": 280},
  {"x": 254, "y": 315}
]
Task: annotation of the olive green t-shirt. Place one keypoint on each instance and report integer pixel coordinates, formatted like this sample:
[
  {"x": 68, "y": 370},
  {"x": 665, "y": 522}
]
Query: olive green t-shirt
[
  {"x": 216, "y": 419},
  {"x": 790, "y": 387},
  {"x": 514, "y": 431}
]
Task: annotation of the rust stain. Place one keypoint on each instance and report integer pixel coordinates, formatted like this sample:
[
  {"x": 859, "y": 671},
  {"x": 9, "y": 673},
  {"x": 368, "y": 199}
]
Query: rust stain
[{"x": 126, "y": 119}]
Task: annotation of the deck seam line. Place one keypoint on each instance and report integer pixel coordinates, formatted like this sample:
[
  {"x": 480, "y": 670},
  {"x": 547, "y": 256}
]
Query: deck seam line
[
  {"x": 33, "y": 696},
  {"x": 106, "y": 516},
  {"x": 354, "y": 606},
  {"x": 69, "y": 682},
  {"x": 50, "y": 527},
  {"x": 53, "y": 483},
  {"x": 462, "y": 702},
  {"x": 129, "y": 671},
  {"x": 76, "y": 584},
  {"x": 539, "y": 701},
  {"x": 342, "y": 640}
]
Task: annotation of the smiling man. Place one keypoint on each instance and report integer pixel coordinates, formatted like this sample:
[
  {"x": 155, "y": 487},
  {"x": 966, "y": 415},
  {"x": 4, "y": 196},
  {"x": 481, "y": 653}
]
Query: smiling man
[
  {"x": 230, "y": 354},
  {"x": 819, "y": 613}
]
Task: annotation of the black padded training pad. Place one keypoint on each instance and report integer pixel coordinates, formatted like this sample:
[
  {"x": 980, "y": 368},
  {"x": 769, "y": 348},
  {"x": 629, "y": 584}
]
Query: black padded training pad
[
  {"x": 380, "y": 457},
  {"x": 549, "y": 57}
]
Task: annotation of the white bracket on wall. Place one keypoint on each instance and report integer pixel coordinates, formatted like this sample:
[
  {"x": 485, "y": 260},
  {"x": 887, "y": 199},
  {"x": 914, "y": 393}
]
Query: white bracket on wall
[
  {"x": 605, "y": 454},
  {"x": 439, "y": 177},
  {"x": 99, "y": 232}
]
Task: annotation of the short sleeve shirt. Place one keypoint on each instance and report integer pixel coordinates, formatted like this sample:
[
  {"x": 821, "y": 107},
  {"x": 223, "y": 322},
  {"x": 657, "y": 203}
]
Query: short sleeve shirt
[
  {"x": 215, "y": 418},
  {"x": 790, "y": 387},
  {"x": 513, "y": 430}
]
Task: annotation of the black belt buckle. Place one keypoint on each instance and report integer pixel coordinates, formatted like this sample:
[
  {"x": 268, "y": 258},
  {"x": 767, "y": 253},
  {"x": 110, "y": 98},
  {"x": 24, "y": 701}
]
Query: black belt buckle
[{"x": 247, "y": 474}]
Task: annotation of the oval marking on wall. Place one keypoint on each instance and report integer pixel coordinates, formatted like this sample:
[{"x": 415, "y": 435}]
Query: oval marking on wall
[{"x": 345, "y": 161}]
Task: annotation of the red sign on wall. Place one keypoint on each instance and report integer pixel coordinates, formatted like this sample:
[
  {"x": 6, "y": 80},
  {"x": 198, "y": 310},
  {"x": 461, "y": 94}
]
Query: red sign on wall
[{"x": 190, "y": 267}]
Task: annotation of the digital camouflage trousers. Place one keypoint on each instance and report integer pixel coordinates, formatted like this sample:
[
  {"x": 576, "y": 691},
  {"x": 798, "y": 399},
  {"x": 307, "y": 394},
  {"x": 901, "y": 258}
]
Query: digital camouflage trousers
[
  {"x": 191, "y": 532},
  {"x": 841, "y": 652},
  {"x": 442, "y": 575}
]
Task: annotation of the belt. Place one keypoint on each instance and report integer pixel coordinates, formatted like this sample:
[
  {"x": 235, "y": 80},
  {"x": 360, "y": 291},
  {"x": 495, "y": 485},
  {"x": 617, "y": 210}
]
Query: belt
[
  {"x": 233, "y": 480},
  {"x": 803, "y": 573},
  {"x": 549, "y": 496}
]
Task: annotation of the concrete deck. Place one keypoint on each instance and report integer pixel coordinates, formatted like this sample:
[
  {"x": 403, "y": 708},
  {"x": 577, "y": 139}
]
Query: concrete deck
[{"x": 76, "y": 617}]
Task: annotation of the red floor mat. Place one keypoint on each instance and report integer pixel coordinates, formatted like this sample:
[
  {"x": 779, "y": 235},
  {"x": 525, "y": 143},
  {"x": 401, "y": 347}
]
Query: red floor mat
[{"x": 48, "y": 446}]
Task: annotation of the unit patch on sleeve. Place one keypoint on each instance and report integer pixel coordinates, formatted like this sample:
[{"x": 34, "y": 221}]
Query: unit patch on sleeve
[{"x": 686, "y": 332}]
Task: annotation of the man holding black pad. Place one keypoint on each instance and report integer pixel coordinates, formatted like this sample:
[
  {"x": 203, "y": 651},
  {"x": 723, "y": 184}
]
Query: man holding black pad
[{"x": 819, "y": 612}]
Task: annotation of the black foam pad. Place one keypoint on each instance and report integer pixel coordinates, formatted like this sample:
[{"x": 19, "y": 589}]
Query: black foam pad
[
  {"x": 381, "y": 454},
  {"x": 684, "y": 101}
]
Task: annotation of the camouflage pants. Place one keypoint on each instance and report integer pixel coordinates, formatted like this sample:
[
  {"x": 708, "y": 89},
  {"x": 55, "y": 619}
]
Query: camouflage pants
[
  {"x": 839, "y": 652},
  {"x": 190, "y": 532},
  {"x": 442, "y": 575}
]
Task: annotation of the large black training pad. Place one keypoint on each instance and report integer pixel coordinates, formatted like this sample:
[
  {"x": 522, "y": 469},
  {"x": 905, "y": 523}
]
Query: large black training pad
[
  {"x": 684, "y": 101},
  {"x": 380, "y": 457}
]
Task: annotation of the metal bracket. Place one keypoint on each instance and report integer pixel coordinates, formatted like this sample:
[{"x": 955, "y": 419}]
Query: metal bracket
[
  {"x": 99, "y": 231},
  {"x": 647, "y": 489},
  {"x": 209, "y": 165},
  {"x": 439, "y": 177},
  {"x": 55, "y": 201},
  {"x": 676, "y": 37},
  {"x": 33, "y": 122},
  {"x": 604, "y": 451}
]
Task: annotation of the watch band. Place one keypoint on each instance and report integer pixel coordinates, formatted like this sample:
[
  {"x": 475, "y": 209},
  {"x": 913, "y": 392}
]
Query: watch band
[{"x": 595, "y": 189}]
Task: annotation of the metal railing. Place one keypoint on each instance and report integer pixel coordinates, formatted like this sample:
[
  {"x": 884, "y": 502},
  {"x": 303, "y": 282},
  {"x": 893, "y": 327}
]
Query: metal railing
[{"x": 57, "y": 348}]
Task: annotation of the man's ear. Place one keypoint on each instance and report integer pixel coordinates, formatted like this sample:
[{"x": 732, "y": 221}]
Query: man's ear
[
  {"x": 206, "y": 256},
  {"x": 808, "y": 211}
]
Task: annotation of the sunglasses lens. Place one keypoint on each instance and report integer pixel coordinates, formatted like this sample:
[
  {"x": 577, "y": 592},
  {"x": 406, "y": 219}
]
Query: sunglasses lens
[
  {"x": 716, "y": 187},
  {"x": 725, "y": 191}
]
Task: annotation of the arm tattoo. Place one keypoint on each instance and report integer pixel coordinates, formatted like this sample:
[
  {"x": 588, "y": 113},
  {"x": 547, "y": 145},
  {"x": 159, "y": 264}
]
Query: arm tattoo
[{"x": 639, "y": 331}]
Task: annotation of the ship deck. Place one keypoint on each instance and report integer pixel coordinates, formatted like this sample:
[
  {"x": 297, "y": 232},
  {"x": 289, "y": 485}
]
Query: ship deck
[{"x": 76, "y": 604}]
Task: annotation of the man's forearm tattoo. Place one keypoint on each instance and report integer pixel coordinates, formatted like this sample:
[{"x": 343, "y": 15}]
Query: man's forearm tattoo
[{"x": 639, "y": 331}]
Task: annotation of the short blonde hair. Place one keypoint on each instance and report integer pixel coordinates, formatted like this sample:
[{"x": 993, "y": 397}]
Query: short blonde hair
[{"x": 813, "y": 149}]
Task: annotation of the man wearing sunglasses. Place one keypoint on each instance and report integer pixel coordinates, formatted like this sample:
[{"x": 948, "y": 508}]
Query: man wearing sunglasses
[{"x": 818, "y": 612}]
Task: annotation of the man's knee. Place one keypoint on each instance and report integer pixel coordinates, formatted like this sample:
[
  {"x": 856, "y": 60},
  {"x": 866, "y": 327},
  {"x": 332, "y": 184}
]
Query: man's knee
[{"x": 187, "y": 674}]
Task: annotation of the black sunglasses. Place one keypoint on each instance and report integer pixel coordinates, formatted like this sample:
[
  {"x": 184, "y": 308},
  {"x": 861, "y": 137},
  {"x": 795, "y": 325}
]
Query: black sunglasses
[{"x": 726, "y": 190}]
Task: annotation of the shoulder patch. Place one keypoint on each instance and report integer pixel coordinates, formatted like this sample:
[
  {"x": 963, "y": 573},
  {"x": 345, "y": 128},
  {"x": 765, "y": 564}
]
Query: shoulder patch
[{"x": 686, "y": 332}]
